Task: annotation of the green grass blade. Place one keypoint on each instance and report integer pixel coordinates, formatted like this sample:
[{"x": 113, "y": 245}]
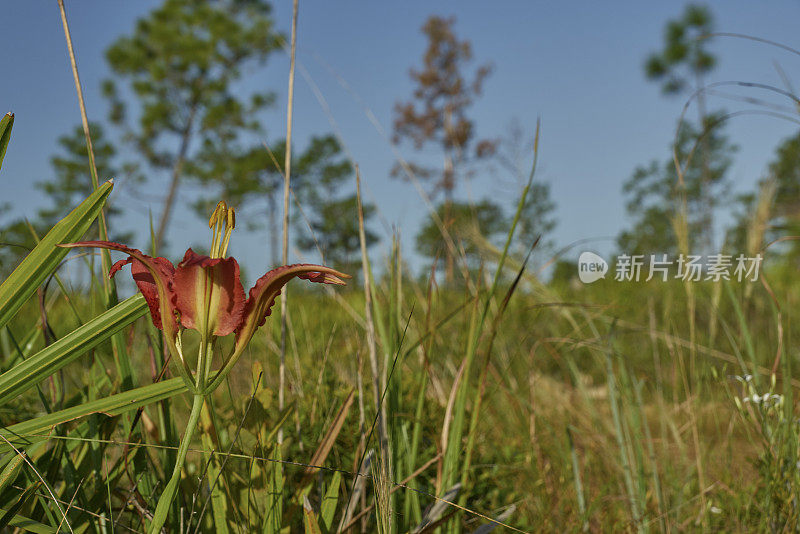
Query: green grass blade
[
  {"x": 29, "y": 525},
  {"x": 44, "y": 259},
  {"x": 47, "y": 361},
  {"x": 214, "y": 474},
  {"x": 5, "y": 134},
  {"x": 9, "y": 514},
  {"x": 328, "y": 507},
  {"x": 622, "y": 444},
  {"x": 19, "y": 350},
  {"x": 657, "y": 487},
  {"x": 745, "y": 330},
  {"x": 273, "y": 517},
  {"x": 11, "y": 471},
  {"x": 28, "y": 431},
  {"x": 413, "y": 510},
  {"x": 576, "y": 478},
  {"x": 453, "y": 454},
  {"x": 6, "y": 124}
]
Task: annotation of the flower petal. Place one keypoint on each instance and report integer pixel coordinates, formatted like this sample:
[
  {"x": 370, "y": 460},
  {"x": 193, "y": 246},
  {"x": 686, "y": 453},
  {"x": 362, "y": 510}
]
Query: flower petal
[
  {"x": 268, "y": 287},
  {"x": 209, "y": 294},
  {"x": 153, "y": 277},
  {"x": 259, "y": 304},
  {"x": 147, "y": 284}
]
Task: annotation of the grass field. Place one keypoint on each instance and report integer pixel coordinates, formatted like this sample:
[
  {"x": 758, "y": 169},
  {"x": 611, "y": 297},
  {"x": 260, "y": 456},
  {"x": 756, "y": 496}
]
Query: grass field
[
  {"x": 399, "y": 403},
  {"x": 548, "y": 407}
]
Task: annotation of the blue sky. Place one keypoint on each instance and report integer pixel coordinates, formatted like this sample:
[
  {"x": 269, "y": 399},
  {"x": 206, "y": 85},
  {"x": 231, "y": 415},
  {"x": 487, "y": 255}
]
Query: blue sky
[{"x": 577, "y": 67}]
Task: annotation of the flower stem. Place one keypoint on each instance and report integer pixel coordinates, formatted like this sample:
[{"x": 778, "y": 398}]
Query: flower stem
[{"x": 171, "y": 489}]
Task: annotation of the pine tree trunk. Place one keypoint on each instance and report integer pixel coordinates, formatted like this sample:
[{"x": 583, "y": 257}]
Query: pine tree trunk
[
  {"x": 169, "y": 202},
  {"x": 706, "y": 200}
]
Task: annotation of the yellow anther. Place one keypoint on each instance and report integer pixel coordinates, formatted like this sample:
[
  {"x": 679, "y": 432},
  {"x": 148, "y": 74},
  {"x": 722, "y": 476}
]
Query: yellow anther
[
  {"x": 222, "y": 222},
  {"x": 220, "y": 209},
  {"x": 231, "y": 223}
]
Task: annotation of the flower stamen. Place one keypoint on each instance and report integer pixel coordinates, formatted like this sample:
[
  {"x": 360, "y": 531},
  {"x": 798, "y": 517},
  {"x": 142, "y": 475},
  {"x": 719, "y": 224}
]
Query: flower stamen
[
  {"x": 230, "y": 223},
  {"x": 222, "y": 222}
]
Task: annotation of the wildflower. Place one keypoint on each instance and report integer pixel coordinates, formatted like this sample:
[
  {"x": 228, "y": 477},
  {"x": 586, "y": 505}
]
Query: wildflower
[
  {"x": 767, "y": 399},
  {"x": 204, "y": 293}
]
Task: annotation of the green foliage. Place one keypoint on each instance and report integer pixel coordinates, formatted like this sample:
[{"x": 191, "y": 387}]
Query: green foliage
[
  {"x": 610, "y": 407},
  {"x": 684, "y": 50},
  {"x": 655, "y": 195},
  {"x": 45, "y": 258},
  {"x": 334, "y": 232},
  {"x": 537, "y": 220},
  {"x": 25, "y": 375},
  {"x": 6, "y": 125},
  {"x": 71, "y": 183},
  {"x": 111, "y": 405},
  {"x": 621, "y": 387},
  {"x": 181, "y": 63},
  {"x": 785, "y": 169},
  {"x": 736, "y": 234},
  {"x": 563, "y": 273},
  {"x": 774, "y": 208},
  {"x": 785, "y": 172},
  {"x": 243, "y": 177},
  {"x": 466, "y": 224},
  {"x": 18, "y": 239},
  {"x": 328, "y": 220},
  {"x": 769, "y": 411},
  {"x": 681, "y": 66}
]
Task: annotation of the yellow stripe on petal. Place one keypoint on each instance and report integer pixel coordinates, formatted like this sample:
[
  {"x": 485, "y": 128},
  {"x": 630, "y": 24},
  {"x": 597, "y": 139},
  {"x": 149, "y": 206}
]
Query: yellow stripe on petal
[{"x": 209, "y": 294}]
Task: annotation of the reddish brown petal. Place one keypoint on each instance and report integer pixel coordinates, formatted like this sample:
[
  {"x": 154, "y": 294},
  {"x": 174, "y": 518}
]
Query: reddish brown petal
[
  {"x": 145, "y": 282},
  {"x": 118, "y": 266},
  {"x": 157, "y": 292},
  {"x": 268, "y": 287},
  {"x": 209, "y": 294},
  {"x": 147, "y": 285}
]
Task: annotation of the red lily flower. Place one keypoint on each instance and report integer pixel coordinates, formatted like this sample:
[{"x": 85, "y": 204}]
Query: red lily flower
[{"x": 204, "y": 293}]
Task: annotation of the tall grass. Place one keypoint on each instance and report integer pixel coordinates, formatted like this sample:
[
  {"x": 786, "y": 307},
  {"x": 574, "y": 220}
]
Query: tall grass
[
  {"x": 579, "y": 408},
  {"x": 499, "y": 401}
]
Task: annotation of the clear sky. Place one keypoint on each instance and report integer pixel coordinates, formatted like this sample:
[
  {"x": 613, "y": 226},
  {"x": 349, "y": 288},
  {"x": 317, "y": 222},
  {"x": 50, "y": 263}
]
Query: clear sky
[{"x": 576, "y": 65}]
